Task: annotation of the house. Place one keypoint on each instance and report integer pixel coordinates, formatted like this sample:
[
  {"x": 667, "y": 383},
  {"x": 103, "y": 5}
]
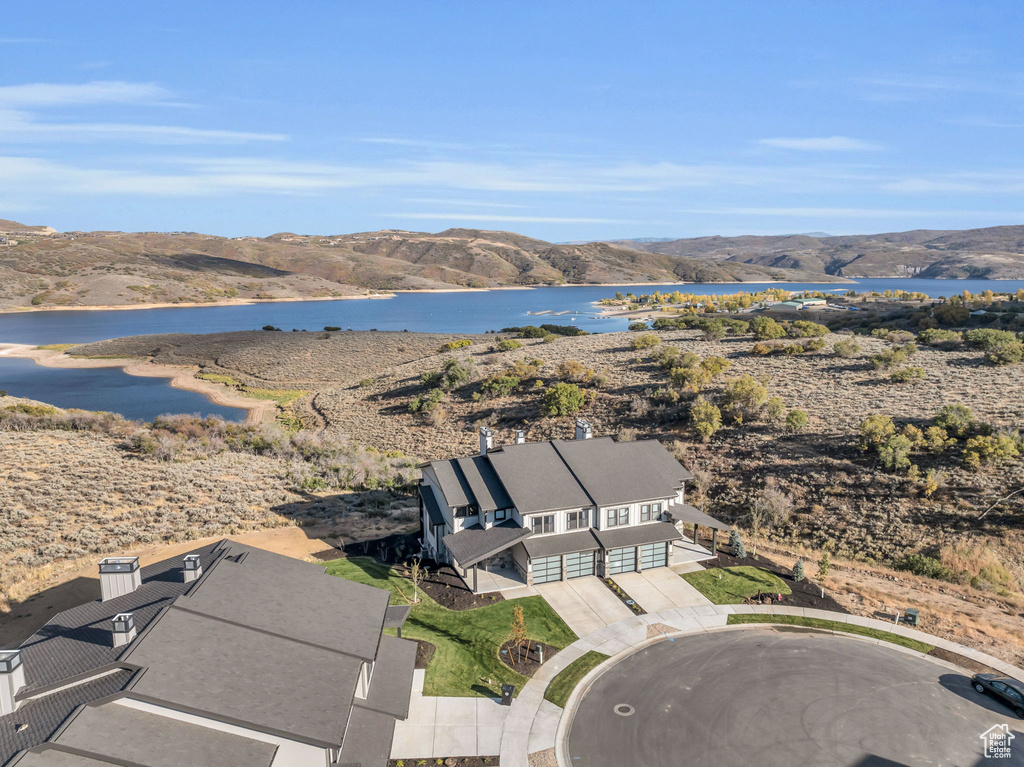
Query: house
[
  {"x": 232, "y": 656},
  {"x": 536, "y": 512}
]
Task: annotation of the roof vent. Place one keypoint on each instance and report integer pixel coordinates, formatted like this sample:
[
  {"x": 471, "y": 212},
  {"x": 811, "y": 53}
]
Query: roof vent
[
  {"x": 583, "y": 430},
  {"x": 192, "y": 568},
  {"x": 486, "y": 440},
  {"x": 119, "y": 576},
  {"x": 12, "y": 679},
  {"x": 520, "y": 436},
  {"x": 124, "y": 629}
]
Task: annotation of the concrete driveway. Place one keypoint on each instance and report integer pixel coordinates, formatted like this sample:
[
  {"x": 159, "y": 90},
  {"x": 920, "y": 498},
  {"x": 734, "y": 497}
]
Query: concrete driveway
[
  {"x": 585, "y": 604},
  {"x": 660, "y": 589}
]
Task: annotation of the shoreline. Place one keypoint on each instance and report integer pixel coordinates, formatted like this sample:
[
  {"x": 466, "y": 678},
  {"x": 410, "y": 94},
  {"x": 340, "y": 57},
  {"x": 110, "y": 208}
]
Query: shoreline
[
  {"x": 190, "y": 305},
  {"x": 256, "y": 410}
]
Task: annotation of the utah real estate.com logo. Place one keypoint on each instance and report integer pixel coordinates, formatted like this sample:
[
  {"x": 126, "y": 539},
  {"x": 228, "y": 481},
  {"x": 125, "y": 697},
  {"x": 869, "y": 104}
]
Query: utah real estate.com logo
[{"x": 997, "y": 741}]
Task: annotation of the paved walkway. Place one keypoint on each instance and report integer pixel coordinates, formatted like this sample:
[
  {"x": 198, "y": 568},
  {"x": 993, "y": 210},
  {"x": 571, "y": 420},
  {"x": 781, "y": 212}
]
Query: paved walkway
[
  {"x": 528, "y": 724},
  {"x": 585, "y": 604},
  {"x": 660, "y": 589},
  {"x": 442, "y": 727}
]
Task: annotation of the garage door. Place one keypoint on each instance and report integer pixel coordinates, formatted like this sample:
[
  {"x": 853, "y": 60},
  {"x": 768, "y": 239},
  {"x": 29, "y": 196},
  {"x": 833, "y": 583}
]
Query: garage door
[
  {"x": 621, "y": 561},
  {"x": 547, "y": 569},
  {"x": 578, "y": 565},
  {"x": 653, "y": 555}
]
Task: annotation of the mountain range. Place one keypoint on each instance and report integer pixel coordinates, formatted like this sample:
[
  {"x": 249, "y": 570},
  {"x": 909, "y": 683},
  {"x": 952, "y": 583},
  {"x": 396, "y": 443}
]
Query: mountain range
[{"x": 44, "y": 268}]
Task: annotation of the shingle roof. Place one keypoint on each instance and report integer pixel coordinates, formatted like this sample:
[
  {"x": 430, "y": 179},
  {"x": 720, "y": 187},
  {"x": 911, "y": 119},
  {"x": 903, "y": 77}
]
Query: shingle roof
[
  {"x": 471, "y": 545},
  {"x": 391, "y": 683},
  {"x": 430, "y": 501},
  {"x": 55, "y": 756},
  {"x": 368, "y": 739},
  {"x": 487, "y": 489},
  {"x": 620, "y": 472},
  {"x": 456, "y": 489},
  {"x": 686, "y": 513},
  {"x": 637, "y": 535},
  {"x": 537, "y": 478},
  {"x": 566, "y": 543},
  {"x": 125, "y": 733}
]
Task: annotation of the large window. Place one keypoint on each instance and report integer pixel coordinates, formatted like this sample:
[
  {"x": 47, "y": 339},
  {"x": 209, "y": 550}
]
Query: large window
[
  {"x": 543, "y": 524},
  {"x": 618, "y": 517},
  {"x": 467, "y": 511},
  {"x": 650, "y": 512},
  {"x": 500, "y": 514},
  {"x": 577, "y": 520}
]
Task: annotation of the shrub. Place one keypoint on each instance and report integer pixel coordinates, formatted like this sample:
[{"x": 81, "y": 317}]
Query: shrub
[
  {"x": 331, "y": 328},
  {"x": 499, "y": 386},
  {"x": 938, "y": 337},
  {"x": 929, "y": 567},
  {"x": 956, "y": 420},
  {"x": 907, "y": 374},
  {"x": 796, "y": 420},
  {"x": 739, "y": 548},
  {"x": 744, "y": 398},
  {"x": 936, "y": 440},
  {"x": 508, "y": 344},
  {"x": 666, "y": 356},
  {"x": 453, "y": 345},
  {"x": 713, "y": 330},
  {"x": 562, "y": 399},
  {"x": 1007, "y": 354},
  {"x": 644, "y": 341},
  {"x": 894, "y": 453},
  {"x": 888, "y": 359},
  {"x": 846, "y": 349},
  {"x": 951, "y": 314},
  {"x": 766, "y": 328},
  {"x": 270, "y": 327},
  {"x": 989, "y": 338},
  {"x": 715, "y": 365},
  {"x": 775, "y": 410},
  {"x": 761, "y": 349},
  {"x": 571, "y": 370},
  {"x": 798, "y": 571},
  {"x": 639, "y": 326},
  {"x": 806, "y": 329},
  {"x": 364, "y": 382},
  {"x": 695, "y": 378},
  {"x": 993, "y": 449},
  {"x": 424, "y": 403},
  {"x": 875, "y": 430},
  {"x": 707, "y": 418}
]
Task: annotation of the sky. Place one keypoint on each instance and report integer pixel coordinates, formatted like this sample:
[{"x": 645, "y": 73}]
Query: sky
[{"x": 560, "y": 120}]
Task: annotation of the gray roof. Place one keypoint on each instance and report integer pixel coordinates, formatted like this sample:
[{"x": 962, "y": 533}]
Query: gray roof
[
  {"x": 620, "y": 472},
  {"x": 368, "y": 739},
  {"x": 637, "y": 535},
  {"x": 474, "y": 543},
  {"x": 453, "y": 484},
  {"x": 565, "y": 543},
  {"x": 686, "y": 513},
  {"x": 537, "y": 478},
  {"x": 49, "y": 755},
  {"x": 290, "y": 592},
  {"x": 433, "y": 507},
  {"x": 128, "y": 734},
  {"x": 487, "y": 489},
  {"x": 391, "y": 683},
  {"x": 236, "y": 674},
  {"x": 44, "y": 715},
  {"x": 396, "y": 616}
]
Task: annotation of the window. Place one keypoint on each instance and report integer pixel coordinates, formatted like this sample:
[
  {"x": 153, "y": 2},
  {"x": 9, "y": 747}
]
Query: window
[
  {"x": 545, "y": 524},
  {"x": 999, "y": 686},
  {"x": 577, "y": 520},
  {"x": 618, "y": 517},
  {"x": 500, "y": 514},
  {"x": 650, "y": 512},
  {"x": 466, "y": 511},
  {"x": 1012, "y": 693}
]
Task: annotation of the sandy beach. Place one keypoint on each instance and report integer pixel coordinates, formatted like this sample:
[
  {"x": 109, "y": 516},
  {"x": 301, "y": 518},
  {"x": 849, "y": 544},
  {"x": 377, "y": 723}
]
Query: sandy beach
[
  {"x": 257, "y": 410},
  {"x": 193, "y": 305}
]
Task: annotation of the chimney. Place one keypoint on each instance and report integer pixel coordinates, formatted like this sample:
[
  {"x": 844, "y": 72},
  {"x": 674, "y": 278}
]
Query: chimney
[
  {"x": 520, "y": 436},
  {"x": 486, "y": 440},
  {"x": 124, "y": 629},
  {"x": 192, "y": 568},
  {"x": 12, "y": 679},
  {"x": 119, "y": 576},
  {"x": 583, "y": 430}
]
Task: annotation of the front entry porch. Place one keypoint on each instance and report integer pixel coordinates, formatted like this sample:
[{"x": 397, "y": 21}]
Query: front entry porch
[{"x": 493, "y": 578}]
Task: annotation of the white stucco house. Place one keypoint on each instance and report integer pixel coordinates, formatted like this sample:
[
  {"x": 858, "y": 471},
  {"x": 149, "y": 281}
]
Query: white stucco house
[{"x": 556, "y": 509}]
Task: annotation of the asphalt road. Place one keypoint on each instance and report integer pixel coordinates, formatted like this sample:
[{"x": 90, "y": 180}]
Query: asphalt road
[{"x": 761, "y": 698}]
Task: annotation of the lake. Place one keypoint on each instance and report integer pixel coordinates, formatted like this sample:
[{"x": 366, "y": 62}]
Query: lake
[{"x": 458, "y": 312}]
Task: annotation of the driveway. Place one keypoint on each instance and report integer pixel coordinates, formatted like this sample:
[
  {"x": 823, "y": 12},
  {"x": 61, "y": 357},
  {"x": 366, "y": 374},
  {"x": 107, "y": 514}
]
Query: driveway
[
  {"x": 585, "y": 604},
  {"x": 660, "y": 589}
]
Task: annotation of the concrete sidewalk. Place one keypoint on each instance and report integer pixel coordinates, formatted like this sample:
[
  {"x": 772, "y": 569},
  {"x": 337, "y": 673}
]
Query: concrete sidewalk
[
  {"x": 585, "y": 604},
  {"x": 660, "y": 589}
]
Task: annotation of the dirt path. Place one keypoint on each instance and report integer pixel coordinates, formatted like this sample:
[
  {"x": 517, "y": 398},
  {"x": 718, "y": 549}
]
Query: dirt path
[{"x": 257, "y": 411}]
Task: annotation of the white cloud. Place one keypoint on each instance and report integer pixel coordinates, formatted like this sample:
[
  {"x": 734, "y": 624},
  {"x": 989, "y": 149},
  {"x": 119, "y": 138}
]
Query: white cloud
[
  {"x": 96, "y": 92},
  {"x": 21, "y": 127},
  {"x": 464, "y": 203},
  {"x": 811, "y": 212},
  {"x": 829, "y": 144},
  {"x": 517, "y": 219}
]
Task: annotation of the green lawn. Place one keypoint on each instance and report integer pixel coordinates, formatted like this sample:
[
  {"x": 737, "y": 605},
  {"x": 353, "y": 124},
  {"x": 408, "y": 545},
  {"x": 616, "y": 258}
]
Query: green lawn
[
  {"x": 561, "y": 686},
  {"x": 731, "y": 585},
  {"x": 849, "y": 628},
  {"x": 467, "y": 641}
]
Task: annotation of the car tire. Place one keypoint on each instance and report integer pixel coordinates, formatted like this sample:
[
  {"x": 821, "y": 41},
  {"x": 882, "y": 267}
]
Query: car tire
[
  {"x": 1019, "y": 712},
  {"x": 979, "y": 688}
]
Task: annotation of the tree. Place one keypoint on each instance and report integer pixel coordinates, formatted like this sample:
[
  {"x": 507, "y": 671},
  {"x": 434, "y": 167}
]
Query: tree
[
  {"x": 875, "y": 430},
  {"x": 1007, "y": 354},
  {"x": 824, "y": 566},
  {"x": 798, "y": 571},
  {"x": 957, "y": 420},
  {"x": 894, "y": 453},
  {"x": 563, "y": 399},
  {"x": 517, "y": 636},
  {"x": 766, "y": 328},
  {"x": 707, "y": 418},
  {"x": 796, "y": 420},
  {"x": 416, "y": 576},
  {"x": 951, "y": 315},
  {"x": 638, "y": 326},
  {"x": 739, "y": 550},
  {"x": 744, "y": 398}
]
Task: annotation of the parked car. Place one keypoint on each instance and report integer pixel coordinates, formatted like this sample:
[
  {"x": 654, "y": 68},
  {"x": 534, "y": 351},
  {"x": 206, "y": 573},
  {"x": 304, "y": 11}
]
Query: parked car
[{"x": 1009, "y": 691}]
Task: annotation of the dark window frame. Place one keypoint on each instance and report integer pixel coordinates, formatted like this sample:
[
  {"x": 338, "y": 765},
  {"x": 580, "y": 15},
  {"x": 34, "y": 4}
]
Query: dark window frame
[
  {"x": 546, "y": 522},
  {"x": 577, "y": 520}
]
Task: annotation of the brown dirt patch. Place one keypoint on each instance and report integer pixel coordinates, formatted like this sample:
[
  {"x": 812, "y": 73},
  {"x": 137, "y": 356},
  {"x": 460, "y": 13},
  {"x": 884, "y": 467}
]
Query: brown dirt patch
[{"x": 525, "y": 659}]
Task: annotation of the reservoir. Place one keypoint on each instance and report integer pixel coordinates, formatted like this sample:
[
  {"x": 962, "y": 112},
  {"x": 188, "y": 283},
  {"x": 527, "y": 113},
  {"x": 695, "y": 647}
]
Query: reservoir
[{"x": 454, "y": 312}]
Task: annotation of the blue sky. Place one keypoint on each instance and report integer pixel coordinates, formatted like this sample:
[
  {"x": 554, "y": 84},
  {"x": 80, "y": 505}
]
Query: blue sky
[{"x": 561, "y": 120}]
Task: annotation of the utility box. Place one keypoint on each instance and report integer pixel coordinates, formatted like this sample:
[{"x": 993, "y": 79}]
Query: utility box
[
  {"x": 507, "y": 691},
  {"x": 912, "y": 617}
]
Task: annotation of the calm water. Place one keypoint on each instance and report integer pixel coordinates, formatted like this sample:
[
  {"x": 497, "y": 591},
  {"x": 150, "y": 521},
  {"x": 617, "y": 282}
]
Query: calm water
[
  {"x": 105, "y": 389},
  {"x": 474, "y": 312}
]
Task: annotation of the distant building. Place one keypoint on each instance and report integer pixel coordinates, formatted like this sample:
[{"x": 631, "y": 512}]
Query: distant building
[
  {"x": 796, "y": 304},
  {"x": 234, "y": 657}
]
